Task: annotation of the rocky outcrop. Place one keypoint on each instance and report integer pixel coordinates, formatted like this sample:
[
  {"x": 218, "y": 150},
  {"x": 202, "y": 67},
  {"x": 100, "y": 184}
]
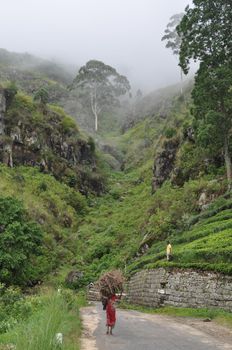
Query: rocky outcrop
[
  {"x": 164, "y": 163},
  {"x": 2, "y": 110},
  {"x": 5, "y": 142},
  {"x": 30, "y": 135},
  {"x": 73, "y": 277},
  {"x": 181, "y": 288},
  {"x": 189, "y": 134}
]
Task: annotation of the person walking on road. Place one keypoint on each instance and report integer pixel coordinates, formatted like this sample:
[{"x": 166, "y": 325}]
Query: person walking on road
[
  {"x": 110, "y": 314},
  {"x": 169, "y": 251}
]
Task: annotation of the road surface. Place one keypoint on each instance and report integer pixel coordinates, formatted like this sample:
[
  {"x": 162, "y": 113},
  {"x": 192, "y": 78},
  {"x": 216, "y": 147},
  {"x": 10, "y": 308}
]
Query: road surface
[{"x": 139, "y": 331}]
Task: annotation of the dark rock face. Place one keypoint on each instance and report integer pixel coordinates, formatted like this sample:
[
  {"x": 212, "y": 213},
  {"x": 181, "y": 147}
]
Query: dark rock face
[
  {"x": 47, "y": 143},
  {"x": 189, "y": 134},
  {"x": 73, "y": 277},
  {"x": 164, "y": 163},
  {"x": 2, "y": 111}
]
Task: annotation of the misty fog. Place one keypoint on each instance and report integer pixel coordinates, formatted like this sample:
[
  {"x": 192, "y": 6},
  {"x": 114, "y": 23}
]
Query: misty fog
[{"x": 123, "y": 33}]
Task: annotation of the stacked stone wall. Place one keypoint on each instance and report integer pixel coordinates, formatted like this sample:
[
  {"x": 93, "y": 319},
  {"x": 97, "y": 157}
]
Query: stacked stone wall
[{"x": 182, "y": 288}]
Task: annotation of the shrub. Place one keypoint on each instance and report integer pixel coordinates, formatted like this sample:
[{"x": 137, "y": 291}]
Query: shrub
[
  {"x": 76, "y": 200},
  {"x": 170, "y": 132},
  {"x": 20, "y": 242},
  {"x": 14, "y": 307},
  {"x": 68, "y": 124}
]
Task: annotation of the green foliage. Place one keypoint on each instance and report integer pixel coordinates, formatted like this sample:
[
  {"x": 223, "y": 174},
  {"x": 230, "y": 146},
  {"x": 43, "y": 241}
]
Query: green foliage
[
  {"x": 213, "y": 107},
  {"x": 170, "y": 132},
  {"x": 76, "y": 201},
  {"x": 20, "y": 108},
  {"x": 42, "y": 96},
  {"x": 68, "y": 124},
  {"x": 211, "y": 23},
  {"x": 171, "y": 35},
  {"x": 91, "y": 144},
  {"x": 20, "y": 242},
  {"x": 190, "y": 163},
  {"x": 15, "y": 307}
]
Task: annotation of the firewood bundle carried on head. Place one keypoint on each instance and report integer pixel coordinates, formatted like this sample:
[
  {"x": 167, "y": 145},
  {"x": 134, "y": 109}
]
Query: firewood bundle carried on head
[{"x": 111, "y": 283}]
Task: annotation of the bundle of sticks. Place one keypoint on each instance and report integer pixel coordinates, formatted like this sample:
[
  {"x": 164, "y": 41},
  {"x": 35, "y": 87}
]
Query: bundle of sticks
[{"x": 111, "y": 283}]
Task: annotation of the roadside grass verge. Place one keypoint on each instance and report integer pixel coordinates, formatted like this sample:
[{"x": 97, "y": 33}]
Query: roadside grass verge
[
  {"x": 59, "y": 313},
  {"x": 218, "y": 315}
]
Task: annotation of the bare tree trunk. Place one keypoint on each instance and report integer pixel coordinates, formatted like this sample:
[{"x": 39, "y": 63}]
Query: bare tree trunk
[
  {"x": 181, "y": 81},
  {"x": 228, "y": 162},
  {"x": 94, "y": 107},
  {"x": 96, "y": 121}
]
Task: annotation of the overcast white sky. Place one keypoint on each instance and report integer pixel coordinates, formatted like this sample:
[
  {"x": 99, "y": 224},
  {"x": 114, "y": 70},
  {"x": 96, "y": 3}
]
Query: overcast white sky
[{"x": 123, "y": 33}]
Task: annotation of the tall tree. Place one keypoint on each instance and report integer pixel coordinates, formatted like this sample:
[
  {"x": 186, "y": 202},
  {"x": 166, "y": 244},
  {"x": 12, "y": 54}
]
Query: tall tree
[
  {"x": 99, "y": 86},
  {"x": 212, "y": 96},
  {"x": 172, "y": 38},
  {"x": 205, "y": 32}
]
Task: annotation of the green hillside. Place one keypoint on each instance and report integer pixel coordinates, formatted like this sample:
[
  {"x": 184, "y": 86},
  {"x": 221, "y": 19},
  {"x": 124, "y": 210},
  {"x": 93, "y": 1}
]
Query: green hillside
[{"x": 128, "y": 227}]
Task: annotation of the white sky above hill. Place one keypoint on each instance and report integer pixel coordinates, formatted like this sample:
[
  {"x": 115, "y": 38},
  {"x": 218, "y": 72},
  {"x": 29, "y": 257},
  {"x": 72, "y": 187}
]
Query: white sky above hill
[{"x": 123, "y": 33}]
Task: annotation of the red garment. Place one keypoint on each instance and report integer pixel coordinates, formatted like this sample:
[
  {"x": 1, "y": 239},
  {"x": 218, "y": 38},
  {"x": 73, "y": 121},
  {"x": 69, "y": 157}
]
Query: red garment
[{"x": 111, "y": 312}]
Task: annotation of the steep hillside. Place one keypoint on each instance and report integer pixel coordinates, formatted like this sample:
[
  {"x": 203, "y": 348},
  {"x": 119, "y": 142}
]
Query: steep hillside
[{"x": 159, "y": 196}]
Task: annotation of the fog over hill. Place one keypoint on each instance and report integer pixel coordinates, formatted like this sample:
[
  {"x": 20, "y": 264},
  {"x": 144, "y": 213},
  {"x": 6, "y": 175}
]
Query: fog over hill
[{"x": 124, "y": 34}]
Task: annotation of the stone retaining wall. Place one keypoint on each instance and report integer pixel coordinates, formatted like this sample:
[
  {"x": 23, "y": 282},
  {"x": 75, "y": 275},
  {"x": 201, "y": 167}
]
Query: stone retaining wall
[{"x": 183, "y": 288}]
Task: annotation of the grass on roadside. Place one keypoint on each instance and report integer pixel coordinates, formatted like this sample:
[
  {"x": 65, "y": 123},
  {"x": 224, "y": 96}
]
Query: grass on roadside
[{"x": 59, "y": 313}]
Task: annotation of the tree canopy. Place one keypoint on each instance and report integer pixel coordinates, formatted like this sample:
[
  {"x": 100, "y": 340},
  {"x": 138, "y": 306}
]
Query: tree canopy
[
  {"x": 171, "y": 36},
  {"x": 173, "y": 39},
  {"x": 100, "y": 85},
  {"x": 205, "y": 32}
]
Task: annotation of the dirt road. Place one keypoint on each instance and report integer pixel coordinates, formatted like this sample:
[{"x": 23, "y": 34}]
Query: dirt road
[{"x": 139, "y": 331}]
